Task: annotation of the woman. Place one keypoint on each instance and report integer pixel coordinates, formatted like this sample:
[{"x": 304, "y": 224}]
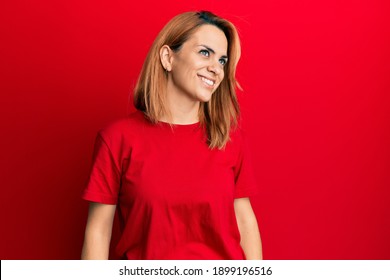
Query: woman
[{"x": 177, "y": 168}]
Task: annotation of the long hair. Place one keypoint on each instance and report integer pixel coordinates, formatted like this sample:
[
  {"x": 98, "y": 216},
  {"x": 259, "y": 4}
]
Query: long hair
[{"x": 220, "y": 114}]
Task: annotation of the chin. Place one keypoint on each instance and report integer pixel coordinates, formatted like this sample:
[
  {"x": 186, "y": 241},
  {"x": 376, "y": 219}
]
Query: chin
[{"x": 205, "y": 97}]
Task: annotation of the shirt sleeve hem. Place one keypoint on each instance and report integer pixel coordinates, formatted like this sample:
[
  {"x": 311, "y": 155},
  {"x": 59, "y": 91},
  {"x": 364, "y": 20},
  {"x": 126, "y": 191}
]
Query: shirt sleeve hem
[
  {"x": 99, "y": 197},
  {"x": 246, "y": 193}
]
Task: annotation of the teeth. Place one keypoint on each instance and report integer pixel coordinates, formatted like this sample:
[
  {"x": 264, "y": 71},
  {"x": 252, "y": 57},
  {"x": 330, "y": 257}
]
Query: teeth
[{"x": 207, "y": 81}]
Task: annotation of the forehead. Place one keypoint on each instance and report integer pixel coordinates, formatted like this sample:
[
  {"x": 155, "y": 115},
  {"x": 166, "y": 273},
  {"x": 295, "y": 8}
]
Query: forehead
[{"x": 211, "y": 36}]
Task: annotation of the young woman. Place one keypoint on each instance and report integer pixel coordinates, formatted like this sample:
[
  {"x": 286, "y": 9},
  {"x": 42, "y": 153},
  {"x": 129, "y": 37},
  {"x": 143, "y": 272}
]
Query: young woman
[{"x": 177, "y": 170}]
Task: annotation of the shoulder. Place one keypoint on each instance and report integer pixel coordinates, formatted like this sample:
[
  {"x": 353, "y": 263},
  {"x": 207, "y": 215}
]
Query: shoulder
[
  {"x": 239, "y": 140},
  {"x": 237, "y": 135},
  {"x": 122, "y": 128}
]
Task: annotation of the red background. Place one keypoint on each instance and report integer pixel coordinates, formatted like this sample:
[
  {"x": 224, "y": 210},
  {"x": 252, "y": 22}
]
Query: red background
[{"x": 315, "y": 103}]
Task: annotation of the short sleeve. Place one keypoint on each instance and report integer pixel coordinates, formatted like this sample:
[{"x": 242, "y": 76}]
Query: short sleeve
[
  {"x": 104, "y": 179},
  {"x": 245, "y": 183}
]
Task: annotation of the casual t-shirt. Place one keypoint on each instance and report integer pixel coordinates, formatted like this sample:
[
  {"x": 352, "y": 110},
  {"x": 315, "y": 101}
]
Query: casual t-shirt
[{"x": 174, "y": 194}]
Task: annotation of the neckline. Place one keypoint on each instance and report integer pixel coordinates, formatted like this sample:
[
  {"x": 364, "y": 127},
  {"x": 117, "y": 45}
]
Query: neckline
[
  {"x": 173, "y": 125},
  {"x": 179, "y": 126}
]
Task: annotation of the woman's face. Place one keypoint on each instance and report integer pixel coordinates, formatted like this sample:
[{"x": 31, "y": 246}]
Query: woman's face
[{"x": 197, "y": 68}]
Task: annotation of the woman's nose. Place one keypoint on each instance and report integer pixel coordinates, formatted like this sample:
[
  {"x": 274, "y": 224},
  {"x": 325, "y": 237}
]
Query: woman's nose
[{"x": 214, "y": 67}]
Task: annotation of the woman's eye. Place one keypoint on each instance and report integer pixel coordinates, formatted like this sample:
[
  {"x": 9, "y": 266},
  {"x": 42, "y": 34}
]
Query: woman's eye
[
  {"x": 222, "y": 61},
  {"x": 205, "y": 52}
]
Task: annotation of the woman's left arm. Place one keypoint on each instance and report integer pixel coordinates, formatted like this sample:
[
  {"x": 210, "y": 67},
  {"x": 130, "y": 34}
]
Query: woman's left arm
[{"x": 249, "y": 230}]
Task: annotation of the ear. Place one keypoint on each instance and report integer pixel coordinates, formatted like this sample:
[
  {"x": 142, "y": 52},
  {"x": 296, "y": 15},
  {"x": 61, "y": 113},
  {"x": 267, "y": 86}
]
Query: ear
[{"x": 166, "y": 57}]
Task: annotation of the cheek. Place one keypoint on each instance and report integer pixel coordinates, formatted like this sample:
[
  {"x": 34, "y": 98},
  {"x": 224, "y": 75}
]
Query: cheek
[
  {"x": 222, "y": 76},
  {"x": 199, "y": 65}
]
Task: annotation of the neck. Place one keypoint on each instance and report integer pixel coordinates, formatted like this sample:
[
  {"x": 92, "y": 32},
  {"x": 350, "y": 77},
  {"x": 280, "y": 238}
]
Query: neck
[{"x": 183, "y": 109}]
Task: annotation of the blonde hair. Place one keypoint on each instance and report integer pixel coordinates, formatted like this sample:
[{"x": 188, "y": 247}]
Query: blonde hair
[{"x": 220, "y": 114}]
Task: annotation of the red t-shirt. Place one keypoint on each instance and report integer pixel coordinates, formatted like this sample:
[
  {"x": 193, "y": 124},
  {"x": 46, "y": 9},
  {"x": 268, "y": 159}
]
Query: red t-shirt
[{"x": 174, "y": 195}]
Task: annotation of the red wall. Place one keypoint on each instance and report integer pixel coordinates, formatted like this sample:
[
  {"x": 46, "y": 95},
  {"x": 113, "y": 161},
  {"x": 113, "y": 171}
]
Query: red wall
[{"x": 316, "y": 104}]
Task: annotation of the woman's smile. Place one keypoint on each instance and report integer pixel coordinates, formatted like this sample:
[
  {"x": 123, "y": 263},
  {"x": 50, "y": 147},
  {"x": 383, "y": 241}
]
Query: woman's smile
[{"x": 207, "y": 81}]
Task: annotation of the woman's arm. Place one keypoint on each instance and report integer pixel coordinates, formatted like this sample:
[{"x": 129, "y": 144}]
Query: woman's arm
[
  {"x": 249, "y": 230},
  {"x": 98, "y": 232}
]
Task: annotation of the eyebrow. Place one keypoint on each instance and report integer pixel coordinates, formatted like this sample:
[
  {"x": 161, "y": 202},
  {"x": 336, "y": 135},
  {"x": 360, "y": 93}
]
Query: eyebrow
[{"x": 211, "y": 50}]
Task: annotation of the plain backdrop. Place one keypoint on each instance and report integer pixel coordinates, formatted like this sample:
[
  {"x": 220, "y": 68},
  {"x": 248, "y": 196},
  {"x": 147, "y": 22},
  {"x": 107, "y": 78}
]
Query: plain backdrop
[{"x": 315, "y": 103}]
